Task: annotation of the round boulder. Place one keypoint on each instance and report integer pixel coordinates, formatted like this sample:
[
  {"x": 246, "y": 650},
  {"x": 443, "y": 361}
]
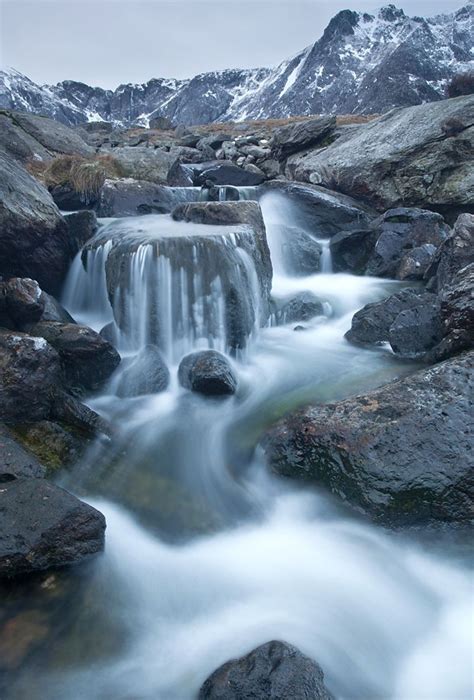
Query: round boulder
[
  {"x": 147, "y": 373},
  {"x": 207, "y": 372}
]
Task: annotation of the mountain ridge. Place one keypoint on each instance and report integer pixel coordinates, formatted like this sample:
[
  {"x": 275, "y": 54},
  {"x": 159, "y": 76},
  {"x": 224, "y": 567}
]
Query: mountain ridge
[{"x": 362, "y": 64}]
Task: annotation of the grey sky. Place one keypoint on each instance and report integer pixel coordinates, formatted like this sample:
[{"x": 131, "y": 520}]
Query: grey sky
[{"x": 105, "y": 42}]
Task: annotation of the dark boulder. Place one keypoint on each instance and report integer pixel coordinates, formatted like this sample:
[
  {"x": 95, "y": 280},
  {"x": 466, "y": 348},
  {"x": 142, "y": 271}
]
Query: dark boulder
[
  {"x": 128, "y": 197},
  {"x": 415, "y": 262},
  {"x": 299, "y": 136},
  {"x": 398, "y": 231},
  {"x": 401, "y": 454},
  {"x": 456, "y": 252},
  {"x": 300, "y": 251},
  {"x": 21, "y": 302},
  {"x": 207, "y": 372},
  {"x": 87, "y": 358},
  {"x": 55, "y": 528},
  {"x": 273, "y": 671},
  {"x": 82, "y": 226},
  {"x": 67, "y": 199},
  {"x": 30, "y": 373},
  {"x": 225, "y": 174},
  {"x": 53, "y": 311},
  {"x": 351, "y": 250},
  {"x": 34, "y": 238},
  {"x": 371, "y": 325},
  {"x": 302, "y": 307},
  {"x": 417, "y": 329},
  {"x": 147, "y": 373}
]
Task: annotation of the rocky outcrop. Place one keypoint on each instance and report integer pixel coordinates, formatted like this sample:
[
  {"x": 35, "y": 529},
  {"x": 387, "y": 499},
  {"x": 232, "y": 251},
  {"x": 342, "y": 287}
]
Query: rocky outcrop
[
  {"x": 418, "y": 156},
  {"x": 300, "y": 136},
  {"x": 400, "y": 454},
  {"x": 273, "y": 671},
  {"x": 55, "y": 528},
  {"x": 456, "y": 252},
  {"x": 87, "y": 359},
  {"x": 34, "y": 238},
  {"x": 82, "y": 226},
  {"x": 207, "y": 372}
]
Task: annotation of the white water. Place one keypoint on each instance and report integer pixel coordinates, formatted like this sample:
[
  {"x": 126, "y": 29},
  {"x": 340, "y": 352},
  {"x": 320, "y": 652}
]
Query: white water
[{"x": 385, "y": 617}]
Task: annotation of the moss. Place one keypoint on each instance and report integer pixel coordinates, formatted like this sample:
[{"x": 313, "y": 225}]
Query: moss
[
  {"x": 83, "y": 175},
  {"x": 55, "y": 445}
]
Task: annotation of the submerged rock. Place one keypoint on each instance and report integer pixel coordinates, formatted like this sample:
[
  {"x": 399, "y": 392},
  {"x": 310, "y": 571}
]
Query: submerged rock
[
  {"x": 273, "y": 671},
  {"x": 302, "y": 307},
  {"x": 400, "y": 454},
  {"x": 147, "y": 373},
  {"x": 207, "y": 372},
  {"x": 55, "y": 528}
]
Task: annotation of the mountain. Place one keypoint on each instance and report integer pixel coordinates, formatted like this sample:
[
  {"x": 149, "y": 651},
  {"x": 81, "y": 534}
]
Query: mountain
[{"x": 362, "y": 64}]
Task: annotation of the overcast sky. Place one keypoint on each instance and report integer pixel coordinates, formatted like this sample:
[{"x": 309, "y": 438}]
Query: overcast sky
[{"x": 107, "y": 42}]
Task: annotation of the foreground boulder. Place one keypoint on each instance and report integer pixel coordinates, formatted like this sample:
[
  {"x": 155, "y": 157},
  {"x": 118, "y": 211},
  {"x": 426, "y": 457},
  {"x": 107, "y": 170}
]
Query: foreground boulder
[
  {"x": 34, "y": 238},
  {"x": 401, "y": 454},
  {"x": 207, "y": 372},
  {"x": 42, "y": 526},
  {"x": 273, "y": 671},
  {"x": 87, "y": 358},
  {"x": 417, "y": 156}
]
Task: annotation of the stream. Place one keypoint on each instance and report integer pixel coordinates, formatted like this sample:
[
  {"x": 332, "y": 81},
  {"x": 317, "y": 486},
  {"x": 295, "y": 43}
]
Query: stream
[{"x": 207, "y": 553}]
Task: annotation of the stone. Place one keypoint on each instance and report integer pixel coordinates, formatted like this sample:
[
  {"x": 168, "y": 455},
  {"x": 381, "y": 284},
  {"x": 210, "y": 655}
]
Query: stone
[
  {"x": 87, "y": 358},
  {"x": 144, "y": 163},
  {"x": 129, "y": 197},
  {"x": 302, "y": 307},
  {"x": 53, "y": 311},
  {"x": 390, "y": 453},
  {"x": 55, "y": 528},
  {"x": 416, "y": 330},
  {"x": 34, "y": 238},
  {"x": 403, "y": 158},
  {"x": 15, "y": 460},
  {"x": 299, "y": 136},
  {"x": 21, "y": 302},
  {"x": 415, "y": 262},
  {"x": 82, "y": 226},
  {"x": 351, "y": 250},
  {"x": 274, "y": 671},
  {"x": 207, "y": 372},
  {"x": 147, "y": 373},
  {"x": 455, "y": 253},
  {"x": 161, "y": 123},
  {"x": 371, "y": 324},
  {"x": 226, "y": 174},
  {"x": 30, "y": 373}
]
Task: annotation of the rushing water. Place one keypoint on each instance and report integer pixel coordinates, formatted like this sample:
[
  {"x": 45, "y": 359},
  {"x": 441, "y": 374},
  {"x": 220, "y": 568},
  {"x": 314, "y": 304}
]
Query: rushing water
[{"x": 207, "y": 555}]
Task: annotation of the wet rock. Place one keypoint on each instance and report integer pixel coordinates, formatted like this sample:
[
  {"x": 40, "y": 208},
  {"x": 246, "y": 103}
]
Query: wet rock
[
  {"x": 273, "y": 671},
  {"x": 225, "y": 174},
  {"x": 415, "y": 262},
  {"x": 456, "y": 252},
  {"x": 399, "y": 231},
  {"x": 68, "y": 199},
  {"x": 300, "y": 136},
  {"x": 351, "y": 250},
  {"x": 15, "y": 460},
  {"x": 302, "y": 307},
  {"x": 129, "y": 197},
  {"x": 30, "y": 373},
  {"x": 404, "y": 158},
  {"x": 21, "y": 302},
  {"x": 371, "y": 325},
  {"x": 82, "y": 226},
  {"x": 390, "y": 453},
  {"x": 417, "y": 329},
  {"x": 457, "y": 315},
  {"x": 53, "y": 311},
  {"x": 207, "y": 372},
  {"x": 110, "y": 332},
  {"x": 55, "y": 528},
  {"x": 33, "y": 235},
  {"x": 55, "y": 445},
  {"x": 146, "y": 374},
  {"x": 88, "y": 359}
]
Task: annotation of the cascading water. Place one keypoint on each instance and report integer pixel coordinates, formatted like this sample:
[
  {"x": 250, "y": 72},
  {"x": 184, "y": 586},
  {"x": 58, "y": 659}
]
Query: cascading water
[{"x": 208, "y": 555}]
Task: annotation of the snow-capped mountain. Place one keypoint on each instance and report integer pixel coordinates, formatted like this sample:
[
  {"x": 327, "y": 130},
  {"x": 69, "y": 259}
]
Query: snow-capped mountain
[{"x": 362, "y": 64}]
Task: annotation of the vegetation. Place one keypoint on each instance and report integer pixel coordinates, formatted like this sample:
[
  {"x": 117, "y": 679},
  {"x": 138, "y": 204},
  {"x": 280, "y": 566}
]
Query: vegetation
[{"x": 83, "y": 175}]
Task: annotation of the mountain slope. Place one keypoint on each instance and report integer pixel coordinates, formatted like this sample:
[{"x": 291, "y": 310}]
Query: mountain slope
[{"x": 362, "y": 64}]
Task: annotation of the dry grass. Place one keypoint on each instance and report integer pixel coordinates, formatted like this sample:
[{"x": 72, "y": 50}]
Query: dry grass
[{"x": 83, "y": 175}]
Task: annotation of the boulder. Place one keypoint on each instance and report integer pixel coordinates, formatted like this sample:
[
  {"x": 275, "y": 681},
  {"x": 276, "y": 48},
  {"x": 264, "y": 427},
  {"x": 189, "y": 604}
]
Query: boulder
[
  {"x": 273, "y": 671},
  {"x": 415, "y": 262},
  {"x": 21, "y": 302},
  {"x": 147, "y": 373},
  {"x": 302, "y": 307},
  {"x": 53, "y": 311},
  {"x": 299, "y": 136},
  {"x": 82, "y": 226},
  {"x": 404, "y": 158},
  {"x": 456, "y": 315},
  {"x": 401, "y": 454},
  {"x": 55, "y": 528},
  {"x": 34, "y": 238},
  {"x": 455, "y": 252},
  {"x": 207, "y": 372},
  {"x": 128, "y": 197},
  {"x": 144, "y": 163},
  {"x": 398, "y": 232},
  {"x": 30, "y": 373},
  {"x": 371, "y": 325},
  {"x": 226, "y": 174},
  {"x": 351, "y": 250},
  {"x": 15, "y": 460},
  {"x": 87, "y": 358},
  {"x": 417, "y": 329}
]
